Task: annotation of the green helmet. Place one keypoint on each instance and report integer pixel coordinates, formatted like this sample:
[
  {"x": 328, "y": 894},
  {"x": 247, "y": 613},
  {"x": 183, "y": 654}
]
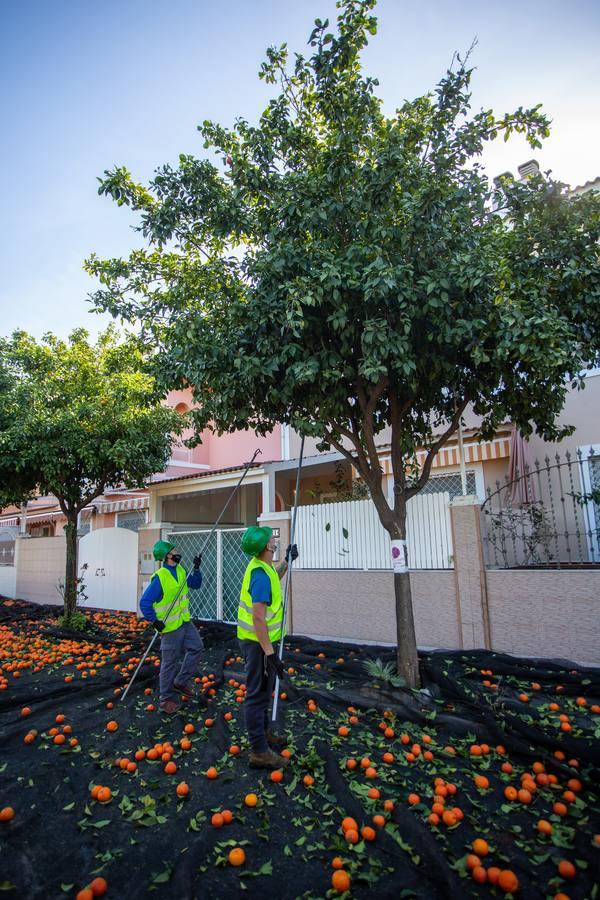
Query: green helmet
[
  {"x": 161, "y": 548},
  {"x": 255, "y": 539}
]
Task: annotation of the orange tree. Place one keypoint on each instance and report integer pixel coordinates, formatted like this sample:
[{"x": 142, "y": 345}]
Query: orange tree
[
  {"x": 76, "y": 418},
  {"x": 349, "y": 272}
]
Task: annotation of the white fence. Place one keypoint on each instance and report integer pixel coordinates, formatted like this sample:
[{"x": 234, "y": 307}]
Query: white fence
[{"x": 350, "y": 536}]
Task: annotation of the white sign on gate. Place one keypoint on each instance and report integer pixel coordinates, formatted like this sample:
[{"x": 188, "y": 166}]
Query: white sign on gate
[{"x": 111, "y": 577}]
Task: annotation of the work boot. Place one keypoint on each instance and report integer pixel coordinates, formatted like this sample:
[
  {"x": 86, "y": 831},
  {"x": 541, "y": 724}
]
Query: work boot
[
  {"x": 267, "y": 760},
  {"x": 168, "y": 707},
  {"x": 276, "y": 740}
]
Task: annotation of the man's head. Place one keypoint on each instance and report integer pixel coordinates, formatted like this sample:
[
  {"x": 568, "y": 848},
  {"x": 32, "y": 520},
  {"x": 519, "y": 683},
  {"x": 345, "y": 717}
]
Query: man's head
[
  {"x": 166, "y": 553},
  {"x": 258, "y": 540}
]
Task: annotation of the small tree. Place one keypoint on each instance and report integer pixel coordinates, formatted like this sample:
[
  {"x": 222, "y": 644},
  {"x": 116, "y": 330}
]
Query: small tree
[
  {"x": 350, "y": 272},
  {"x": 77, "y": 418}
]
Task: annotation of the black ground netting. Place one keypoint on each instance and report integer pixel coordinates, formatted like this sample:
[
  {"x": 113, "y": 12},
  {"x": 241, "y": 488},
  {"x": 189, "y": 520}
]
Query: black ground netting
[{"x": 467, "y": 723}]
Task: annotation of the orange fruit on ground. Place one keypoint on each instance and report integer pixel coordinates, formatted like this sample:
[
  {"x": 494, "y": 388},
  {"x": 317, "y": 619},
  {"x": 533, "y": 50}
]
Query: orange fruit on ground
[
  {"x": 337, "y": 862},
  {"x": 351, "y": 836},
  {"x": 472, "y": 861},
  {"x": 185, "y": 744},
  {"x": 351, "y": 764},
  {"x": 308, "y": 780},
  {"x": 449, "y": 818},
  {"x": 413, "y": 799},
  {"x": 234, "y": 749},
  {"x": 112, "y": 725},
  {"x": 365, "y": 762},
  {"x": 508, "y": 881},
  {"x": 566, "y": 869},
  {"x": 480, "y": 847},
  {"x": 574, "y": 784},
  {"x": 170, "y": 768},
  {"x": 388, "y": 757},
  {"x": 379, "y": 821},
  {"x": 26, "y": 711},
  {"x": 189, "y": 728},
  {"x": 277, "y": 776},
  {"x": 373, "y": 793},
  {"x": 368, "y": 833},
  {"x": 560, "y": 809},
  {"x": 340, "y": 881},
  {"x": 140, "y": 754},
  {"x": 59, "y": 739},
  {"x": 250, "y": 799},
  {"x": 433, "y": 818},
  {"x": 510, "y": 792},
  {"x": 7, "y": 814},
  {"x": 493, "y": 874},
  {"x": 99, "y": 887},
  {"x": 371, "y": 772},
  {"x": 211, "y": 773},
  {"x": 104, "y": 795},
  {"x": 227, "y": 816},
  {"x": 236, "y": 857},
  {"x": 349, "y": 823},
  {"x": 217, "y": 820},
  {"x": 182, "y": 789},
  {"x": 85, "y": 894},
  {"x": 343, "y": 731},
  {"x": 481, "y": 782},
  {"x": 388, "y": 805},
  {"x": 479, "y": 874},
  {"x": 544, "y": 827},
  {"x": 524, "y": 796}
]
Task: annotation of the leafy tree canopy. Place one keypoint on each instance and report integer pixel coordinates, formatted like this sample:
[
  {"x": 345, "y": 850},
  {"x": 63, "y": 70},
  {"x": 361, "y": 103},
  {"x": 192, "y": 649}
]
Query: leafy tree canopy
[
  {"x": 76, "y": 418},
  {"x": 347, "y": 271}
]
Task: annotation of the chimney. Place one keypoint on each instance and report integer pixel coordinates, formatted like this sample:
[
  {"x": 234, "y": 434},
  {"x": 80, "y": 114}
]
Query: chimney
[{"x": 531, "y": 167}]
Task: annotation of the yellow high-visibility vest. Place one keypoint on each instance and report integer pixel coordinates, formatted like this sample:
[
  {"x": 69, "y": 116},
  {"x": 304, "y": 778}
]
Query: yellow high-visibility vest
[
  {"x": 181, "y": 611},
  {"x": 245, "y": 624}
]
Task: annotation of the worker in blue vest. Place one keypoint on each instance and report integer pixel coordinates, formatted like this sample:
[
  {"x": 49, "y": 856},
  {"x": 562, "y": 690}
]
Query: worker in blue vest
[{"x": 179, "y": 635}]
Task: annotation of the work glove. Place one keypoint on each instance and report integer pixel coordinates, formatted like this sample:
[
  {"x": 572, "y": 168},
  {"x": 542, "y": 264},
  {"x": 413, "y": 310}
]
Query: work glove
[
  {"x": 158, "y": 625},
  {"x": 292, "y": 551},
  {"x": 197, "y": 562},
  {"x": 274, "y": 664}
]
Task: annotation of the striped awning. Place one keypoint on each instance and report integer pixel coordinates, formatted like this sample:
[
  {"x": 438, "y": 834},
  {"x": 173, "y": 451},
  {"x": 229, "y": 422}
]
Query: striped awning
[
  {"x": 498, "y": 448},
  {"x": 110, "y": 506}
]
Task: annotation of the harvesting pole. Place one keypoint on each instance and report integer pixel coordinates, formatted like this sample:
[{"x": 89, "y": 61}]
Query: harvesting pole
[
  {"x": 288, "y": 576},
  {"x": 204, "y": 545}
]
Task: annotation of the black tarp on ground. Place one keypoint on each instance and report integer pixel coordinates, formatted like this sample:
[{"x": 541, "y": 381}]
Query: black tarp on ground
[{"x": 60, "y": 838}]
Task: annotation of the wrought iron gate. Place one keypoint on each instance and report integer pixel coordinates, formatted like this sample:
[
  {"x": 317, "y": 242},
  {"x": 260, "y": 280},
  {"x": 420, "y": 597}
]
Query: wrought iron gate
[{"x": 223, "y": 567}]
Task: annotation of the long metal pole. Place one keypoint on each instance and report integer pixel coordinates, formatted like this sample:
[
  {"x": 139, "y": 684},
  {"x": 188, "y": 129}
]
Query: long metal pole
[
  {"x": 176, "y": 598},
  {"x": 288, "y": 576}
]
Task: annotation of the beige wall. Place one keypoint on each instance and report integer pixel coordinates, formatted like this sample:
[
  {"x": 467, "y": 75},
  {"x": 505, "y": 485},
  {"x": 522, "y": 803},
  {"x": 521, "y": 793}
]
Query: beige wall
[
  {"x": 552, "y": 613},
  {"x": 41, "y": 563},
  {"x": 582, "y": 410},
  {"x": 360, "y": 606}
]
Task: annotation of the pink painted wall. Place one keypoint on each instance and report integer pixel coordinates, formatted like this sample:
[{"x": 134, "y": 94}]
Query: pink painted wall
[{"x": 221, "y": 451}]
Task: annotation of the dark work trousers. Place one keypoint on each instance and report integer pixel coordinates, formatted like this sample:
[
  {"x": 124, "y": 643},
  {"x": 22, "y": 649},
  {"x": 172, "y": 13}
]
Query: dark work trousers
[
  {"x": 259, "y": 687},
  {"x": 179, "y": 650}
]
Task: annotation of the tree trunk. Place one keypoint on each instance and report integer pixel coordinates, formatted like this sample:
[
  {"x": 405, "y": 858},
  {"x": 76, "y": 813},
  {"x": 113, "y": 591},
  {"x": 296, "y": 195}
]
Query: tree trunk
[
  {"x": 71, "y": 568},
  {"x": 407, "y": 660}
]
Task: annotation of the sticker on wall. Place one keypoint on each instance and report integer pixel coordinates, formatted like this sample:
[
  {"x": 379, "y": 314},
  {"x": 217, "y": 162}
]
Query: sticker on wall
[{"x": 399, "y": 557}]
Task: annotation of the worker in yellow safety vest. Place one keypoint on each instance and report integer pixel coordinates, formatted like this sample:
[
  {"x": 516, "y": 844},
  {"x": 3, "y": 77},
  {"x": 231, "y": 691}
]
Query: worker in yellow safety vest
[
  {"x": 179, "y": 635},
  {"x": 259, "y": 625}
]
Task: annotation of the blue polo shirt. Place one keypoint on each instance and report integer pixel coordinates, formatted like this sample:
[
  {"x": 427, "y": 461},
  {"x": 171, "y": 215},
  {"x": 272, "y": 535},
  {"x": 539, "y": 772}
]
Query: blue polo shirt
[
  {"x": 154, "y": 591},
  {"x": 260, "y": 587}
]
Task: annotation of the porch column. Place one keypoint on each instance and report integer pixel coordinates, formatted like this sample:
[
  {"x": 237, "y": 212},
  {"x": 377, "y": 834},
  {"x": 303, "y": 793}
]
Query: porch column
[{"x": 268, "y": 493}]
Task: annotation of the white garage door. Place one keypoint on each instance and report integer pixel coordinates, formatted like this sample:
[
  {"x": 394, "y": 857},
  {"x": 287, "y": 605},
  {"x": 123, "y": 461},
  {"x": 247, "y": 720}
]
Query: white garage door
[{"x": 111, "y": 555}]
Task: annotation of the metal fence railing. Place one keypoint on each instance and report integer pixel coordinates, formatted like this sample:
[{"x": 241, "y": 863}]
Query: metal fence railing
[
  {"x": 223, "y": 567},
  {"x": 547, "y": 516}
]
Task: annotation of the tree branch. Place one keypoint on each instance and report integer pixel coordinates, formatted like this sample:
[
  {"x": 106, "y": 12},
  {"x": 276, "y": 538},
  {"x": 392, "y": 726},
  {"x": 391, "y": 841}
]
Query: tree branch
[{"x": 422, "y": 481}]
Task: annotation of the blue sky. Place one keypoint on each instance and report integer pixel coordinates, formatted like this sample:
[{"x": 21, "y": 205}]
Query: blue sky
[{"x": 85, "y": 86}]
